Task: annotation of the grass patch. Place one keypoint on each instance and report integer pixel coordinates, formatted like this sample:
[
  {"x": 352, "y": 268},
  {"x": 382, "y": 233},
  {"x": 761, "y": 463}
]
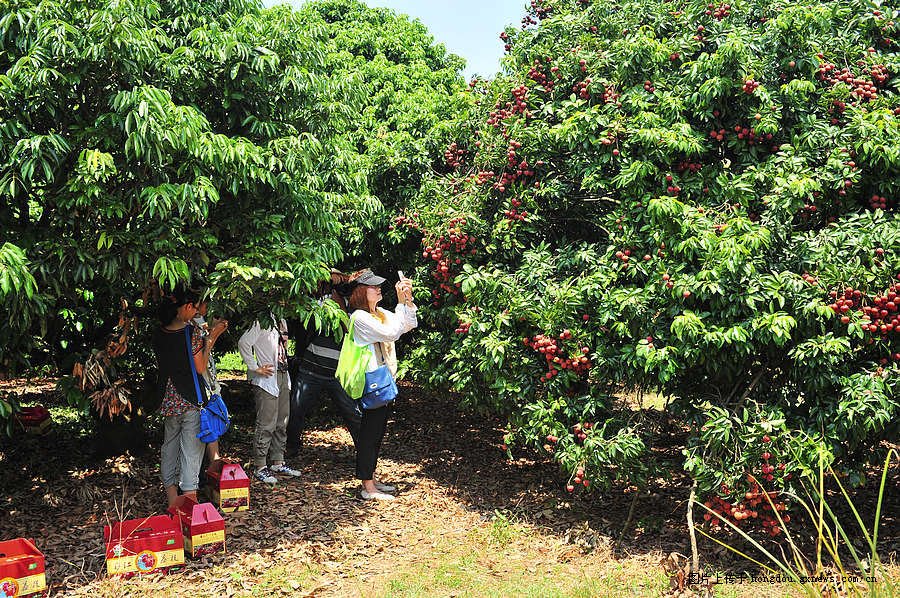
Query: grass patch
[
  {"x": 281, "y": 579},
  {"x": 230, "y": 362},
  {"x": 507, "y": 558},
  {"x": 504, "y": 529}
]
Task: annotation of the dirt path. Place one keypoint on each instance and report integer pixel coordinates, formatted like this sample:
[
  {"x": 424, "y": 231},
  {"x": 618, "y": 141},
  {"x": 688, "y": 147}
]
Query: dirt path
[{"x": 468, "y": 521}]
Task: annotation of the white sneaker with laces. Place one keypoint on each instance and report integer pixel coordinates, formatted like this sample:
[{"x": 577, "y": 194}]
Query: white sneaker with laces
[
  {"x": 285, "y": 470},
  {"x": 385, "y": 487},
  {"x": 265, "y": 476}
]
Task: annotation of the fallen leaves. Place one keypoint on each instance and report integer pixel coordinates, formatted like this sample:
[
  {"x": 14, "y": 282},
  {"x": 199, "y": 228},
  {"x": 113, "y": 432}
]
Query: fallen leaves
[{"x": 314, "y": 536}]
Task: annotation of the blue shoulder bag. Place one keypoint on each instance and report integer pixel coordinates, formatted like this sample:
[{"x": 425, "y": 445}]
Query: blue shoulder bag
[
  {"x": 380, "y": 388},
  {"x": 214, "y": 418}
]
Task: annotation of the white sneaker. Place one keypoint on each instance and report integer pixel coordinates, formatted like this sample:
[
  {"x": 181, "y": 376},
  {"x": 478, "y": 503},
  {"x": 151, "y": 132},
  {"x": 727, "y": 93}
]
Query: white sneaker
[
  {"x": 265, "y": 476},
  {"x": 376, "y": 495},
  {"x": 285, "y": 470},
  {"x": 385, "y": 487}
]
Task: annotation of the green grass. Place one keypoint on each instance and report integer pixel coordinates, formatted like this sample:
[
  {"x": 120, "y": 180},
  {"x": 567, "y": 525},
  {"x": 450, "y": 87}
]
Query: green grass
[
  {"x": 281, "y": 579},
  {"x": 507, "y": 558},
  {"x": 230, "y": 362}
]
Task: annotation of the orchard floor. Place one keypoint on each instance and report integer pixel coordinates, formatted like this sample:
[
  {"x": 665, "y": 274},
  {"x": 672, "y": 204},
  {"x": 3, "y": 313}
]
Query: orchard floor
[{"x": 468, "y": 521}]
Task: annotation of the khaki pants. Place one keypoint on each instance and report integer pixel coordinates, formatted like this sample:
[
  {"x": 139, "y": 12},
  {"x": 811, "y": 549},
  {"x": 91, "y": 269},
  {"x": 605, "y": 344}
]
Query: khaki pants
[{"x": 272, "y": 415}]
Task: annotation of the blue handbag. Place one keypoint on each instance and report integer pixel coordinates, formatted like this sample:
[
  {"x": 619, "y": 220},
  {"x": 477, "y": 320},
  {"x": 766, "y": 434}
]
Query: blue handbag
[
  {"x": 214, "y": 418},
  {"x": 380, "y": 388}
]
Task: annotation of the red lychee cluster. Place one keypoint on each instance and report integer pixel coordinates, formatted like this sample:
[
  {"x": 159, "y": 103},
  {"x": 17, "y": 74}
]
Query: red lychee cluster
[
  {"x": 883, "y": 311},
  {"x": 807, "y": 211},
  {"x": 809, "y": 278},
  {"x": 581, "y": 88},
  {"x": 717, "y": 135},
  {"x": 754, "y": 505},
  {"x": 878, "y": 202},
  {"x": 671, "y": 187},
  {"x": 537, "y": 74},
  {"x": 719, "y": 12},
  {"x": 518, "y": 105},
  {"x": 849, "y": 300},
  {"x": 579, "y": 479},
  {"x": 447, "y": 253},
  {"x": 860, "y": 88},
  {"x": 624, "y": 256},
  {"x": 541, "y": 9},
  {"x": 648, "y": 86},
  {"x": 409, "y": 221},
  {"x": 879, "y": 73},
  {"x": 550, "y": 348},
  {"x": 453, "y": 155},
  {"x": 667, "y": 278},
  {"x": 483, "y": 177},
  {"x": 836, "y": 109},
  {"x": 507, "y": 46},
  {"x": 750, "y": 135},
  {"x": 750, "y": 86},
  {"x": 513, "y": 213},
  {"x": 610, "y": 95},
  {"x": 522, "y": 168},
  {"x": 463, "y": 328},
  {"x": 699, "y": 36},
  {"x": 881, "y": 318},
  {"x": 686, "y": 166}
]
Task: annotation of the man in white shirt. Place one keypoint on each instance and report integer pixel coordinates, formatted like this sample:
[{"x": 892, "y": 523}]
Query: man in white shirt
[{"x": 264, "y": 351}]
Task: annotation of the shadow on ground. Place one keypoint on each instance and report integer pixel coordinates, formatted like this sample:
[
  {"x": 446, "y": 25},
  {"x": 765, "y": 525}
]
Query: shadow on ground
[{"x": 57, "y": 491}]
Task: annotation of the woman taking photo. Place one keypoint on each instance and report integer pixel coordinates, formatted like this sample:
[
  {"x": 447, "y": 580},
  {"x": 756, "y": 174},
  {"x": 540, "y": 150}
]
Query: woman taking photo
[
  {"x": 378, "y": 328},
  {"x": 182, "y": 451}
]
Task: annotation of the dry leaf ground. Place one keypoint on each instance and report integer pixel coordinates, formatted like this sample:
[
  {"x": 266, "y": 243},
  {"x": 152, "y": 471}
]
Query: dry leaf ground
[{"x": 468, "y": 522}]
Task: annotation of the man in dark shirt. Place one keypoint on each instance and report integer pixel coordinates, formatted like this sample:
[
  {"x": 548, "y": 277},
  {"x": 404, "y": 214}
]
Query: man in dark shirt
[{"x": 314, "y": 379}]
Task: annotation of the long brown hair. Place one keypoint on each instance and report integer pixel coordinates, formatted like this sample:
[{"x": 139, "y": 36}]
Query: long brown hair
[{"x": 358, "y": 298}]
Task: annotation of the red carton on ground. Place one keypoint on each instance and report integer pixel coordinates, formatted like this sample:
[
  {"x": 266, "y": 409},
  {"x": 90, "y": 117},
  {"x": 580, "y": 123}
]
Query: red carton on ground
[
  {"x": 143, "y": 545},
  {"x": 201, "y": 525},
  {"x": 21, "y": 569},
  {"x": 229, "y": 486},
  {"x": 35, "y": 420}
]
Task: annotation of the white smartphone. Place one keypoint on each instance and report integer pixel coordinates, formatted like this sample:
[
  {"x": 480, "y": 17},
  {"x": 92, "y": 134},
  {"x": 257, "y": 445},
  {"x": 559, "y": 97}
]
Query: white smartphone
[{"x": 401, "y": 275}]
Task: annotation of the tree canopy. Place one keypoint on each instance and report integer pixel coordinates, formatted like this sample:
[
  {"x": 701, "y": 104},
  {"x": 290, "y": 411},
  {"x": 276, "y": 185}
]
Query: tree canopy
[
  {"x": 145, "y": 143},
  {"x": 688, "y": 201}
]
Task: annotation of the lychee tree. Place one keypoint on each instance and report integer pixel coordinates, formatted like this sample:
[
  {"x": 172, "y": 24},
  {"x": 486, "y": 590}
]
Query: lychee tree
[
  {"x": 675, "y": 218},
  {"x": 145, "y": 143},
  {"x": 410, "y": 93}
]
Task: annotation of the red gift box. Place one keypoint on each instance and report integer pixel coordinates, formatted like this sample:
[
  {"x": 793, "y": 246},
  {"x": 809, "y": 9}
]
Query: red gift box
[
  {"x": 35, "y": 420},
  {"x": 21, "y": 569},
  {"x": 201, "y": 525},
  {"x": 229, "y": 486},
  {"x": 143, "y": 545}
]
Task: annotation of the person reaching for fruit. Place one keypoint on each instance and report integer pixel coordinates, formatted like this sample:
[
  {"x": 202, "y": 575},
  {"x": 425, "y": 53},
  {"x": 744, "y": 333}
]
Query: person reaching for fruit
[
  {"x": 182, "y": 450},
  {"x": 378, "y": 328}
]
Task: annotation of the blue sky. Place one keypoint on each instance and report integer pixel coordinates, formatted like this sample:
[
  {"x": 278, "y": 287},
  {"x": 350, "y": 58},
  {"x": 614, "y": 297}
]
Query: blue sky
[{"x": 469, "y": 28}]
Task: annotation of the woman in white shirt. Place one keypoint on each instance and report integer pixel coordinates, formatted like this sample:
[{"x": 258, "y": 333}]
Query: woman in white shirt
[{"x": 378, "y": 328}]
